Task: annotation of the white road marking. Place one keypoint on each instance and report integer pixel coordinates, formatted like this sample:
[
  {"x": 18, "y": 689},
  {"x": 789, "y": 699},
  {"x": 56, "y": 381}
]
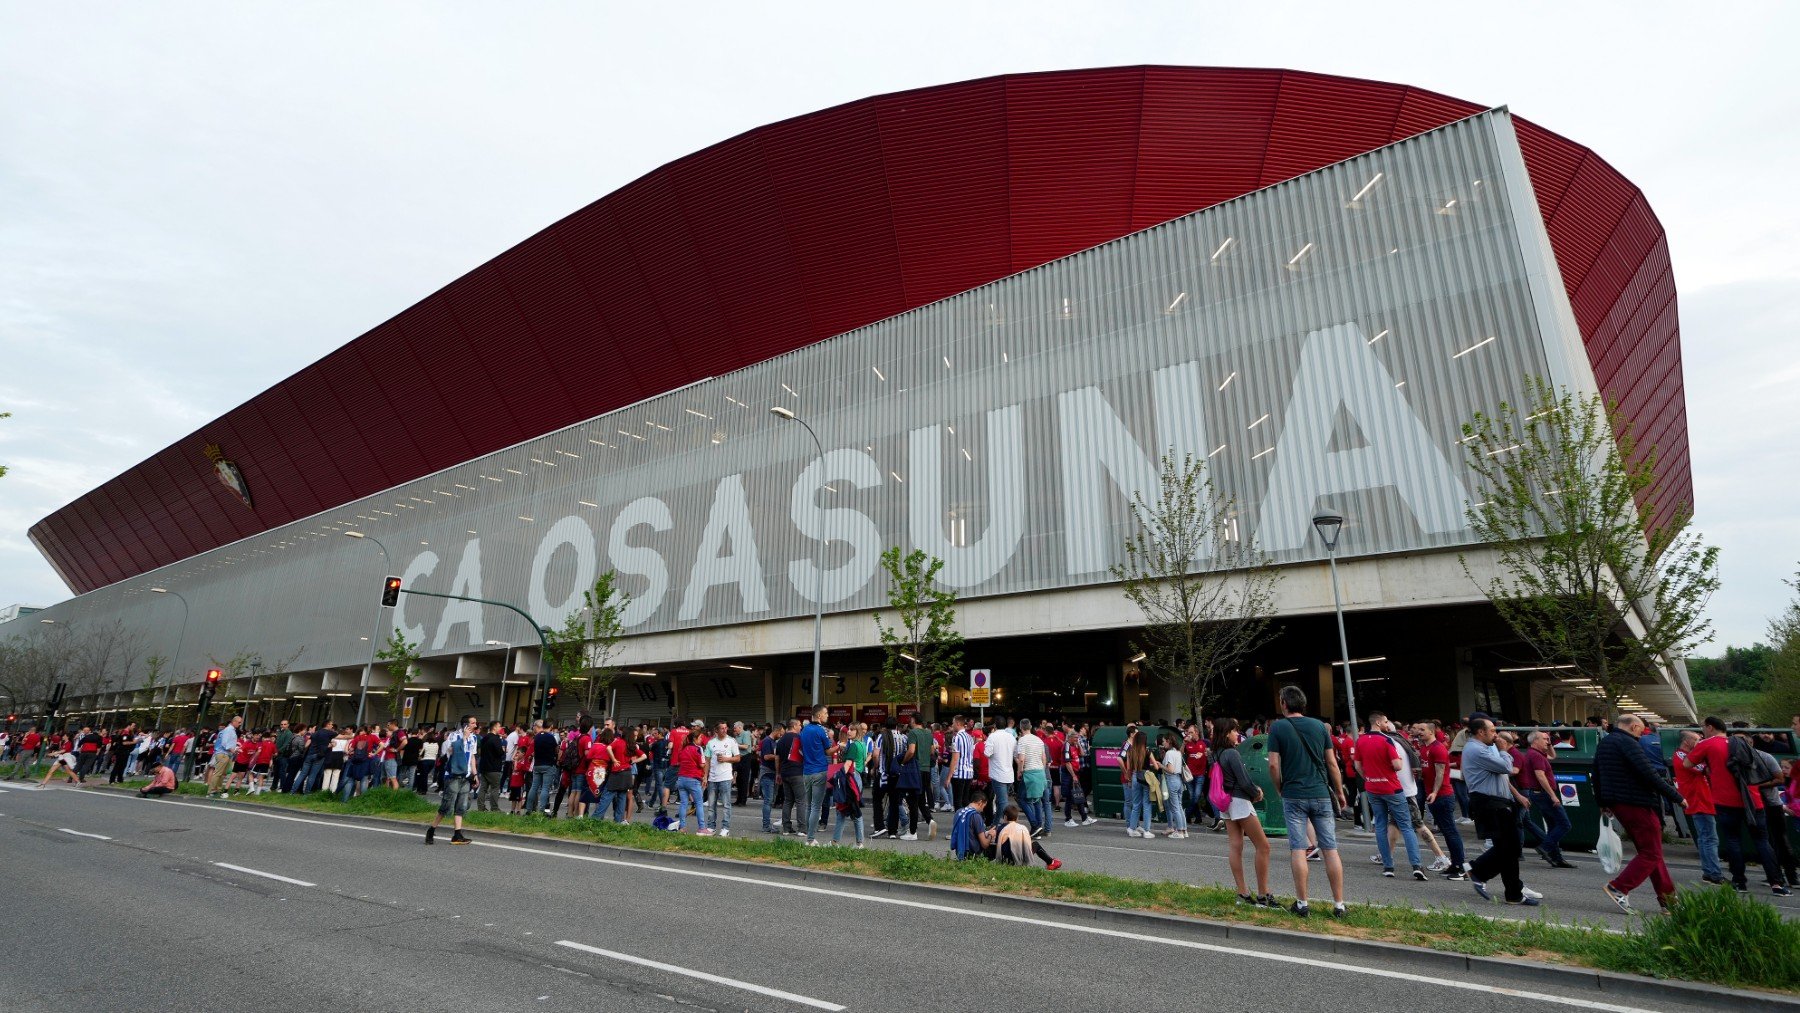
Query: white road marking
[
  {"x": 658, "y": 965},
  {"x": 265, "y": 875},
  {"x": 1280, "y": 958},
  {"x": 78, "y": 833}
]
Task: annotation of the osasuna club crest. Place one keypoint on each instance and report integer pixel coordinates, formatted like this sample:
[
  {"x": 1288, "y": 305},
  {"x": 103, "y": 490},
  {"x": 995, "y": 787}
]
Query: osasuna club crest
[{"x": 228, "y": 474}]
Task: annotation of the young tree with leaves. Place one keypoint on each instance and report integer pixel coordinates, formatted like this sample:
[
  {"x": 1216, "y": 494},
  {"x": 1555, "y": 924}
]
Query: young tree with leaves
[
  {"x": 582, "y": 648},
  {"x": 922, "y": 650},
  {"x": 1780, "y": 700},
  {"x": 401, "y": 656},
  {"x": 1561, "y": 480},
  {"x": 1207, "y": 594}
]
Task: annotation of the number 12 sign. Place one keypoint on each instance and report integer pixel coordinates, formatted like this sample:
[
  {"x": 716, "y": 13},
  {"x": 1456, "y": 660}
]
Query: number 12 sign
[{"x": 981, "y": 687}]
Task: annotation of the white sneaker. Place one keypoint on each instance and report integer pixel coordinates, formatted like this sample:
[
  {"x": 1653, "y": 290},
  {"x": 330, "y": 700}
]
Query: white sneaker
[
  {"x": 1071, "y": 823},
  {"x": 725, "y": 832},
  {"x": 909, "y": 837},
  {"x": 1131, "y": 831},
  {"x": 1375, "y": 858},
  {"x": 814, "y": 843},
  {"x": 1440, "y": 863},
  {"x": 1090, "y": 821},
  {"x": 1529, "y": 892}
]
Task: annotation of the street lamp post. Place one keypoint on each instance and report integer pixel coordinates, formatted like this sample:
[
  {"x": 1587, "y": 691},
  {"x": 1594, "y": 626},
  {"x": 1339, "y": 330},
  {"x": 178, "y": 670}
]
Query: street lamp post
[
  {"x": 362, "y": 698},
  {"x": 505, "y": 669},
  {"x": 818, "y": 558},
  {"x": 180, "y": 639},
  {"x": 1330, "y": 526}
]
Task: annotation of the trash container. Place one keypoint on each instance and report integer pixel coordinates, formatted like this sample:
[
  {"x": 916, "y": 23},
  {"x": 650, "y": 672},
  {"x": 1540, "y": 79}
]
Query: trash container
[
  {"x": 1107, "y": 796},
  {"x": 1573, "y": 767},
  {"x": 1255, "y": 753}
]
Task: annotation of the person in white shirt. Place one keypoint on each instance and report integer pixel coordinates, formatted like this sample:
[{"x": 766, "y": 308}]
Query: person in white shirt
[
  {"x": 1029, "y": 760},
  {"x": 1002, "y": 746},
  {"x": 225, "y": 746},
  {"x": 1409, "y": 785},
  {"x": 1174, "y": 774},
  {"x": 723, "y": 754}
]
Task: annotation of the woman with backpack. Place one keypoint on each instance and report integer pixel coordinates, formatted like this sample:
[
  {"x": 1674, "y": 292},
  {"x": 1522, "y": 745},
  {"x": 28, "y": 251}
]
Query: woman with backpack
[
  {"x": 845, "y": 783},
  {"x": 1135, "y": 770},
  {"x": 1075, "y": 807},
  {"x": 1234, "y": 795}
]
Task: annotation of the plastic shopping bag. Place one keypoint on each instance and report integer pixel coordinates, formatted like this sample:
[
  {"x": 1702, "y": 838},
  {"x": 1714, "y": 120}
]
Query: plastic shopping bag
[{"x": 1610, "y": 848}]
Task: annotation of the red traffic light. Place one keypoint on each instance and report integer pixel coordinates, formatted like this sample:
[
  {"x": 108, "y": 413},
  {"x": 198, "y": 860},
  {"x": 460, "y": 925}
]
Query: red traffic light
[
  {"x": 553, "y": 691},
  {"x": 212, "y": 676},
  {"x": 390, "y": 592}
]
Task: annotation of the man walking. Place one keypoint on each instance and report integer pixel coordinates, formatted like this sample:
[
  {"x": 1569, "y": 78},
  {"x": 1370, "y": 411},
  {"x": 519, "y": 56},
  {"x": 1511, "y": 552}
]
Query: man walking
[
  {"x": 1488, "y": 772},
  {"x": 1440, "y": 795},
  {"x": 459, "y": 755},
  {"x": 1381, "y": 764},
  {"x": 1628, "y": 784},
  {"x": 225, "y": 747},
  {"x": 1738, "y": 810},
  {"x": 1701, "y": 814},
  {"x": 1302, "y": 763},
  {"x": 1544, "y": 798}
]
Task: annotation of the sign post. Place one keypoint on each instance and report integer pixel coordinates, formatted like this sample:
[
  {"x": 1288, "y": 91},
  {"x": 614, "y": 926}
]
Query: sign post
[{"x": 981, "y": 690}]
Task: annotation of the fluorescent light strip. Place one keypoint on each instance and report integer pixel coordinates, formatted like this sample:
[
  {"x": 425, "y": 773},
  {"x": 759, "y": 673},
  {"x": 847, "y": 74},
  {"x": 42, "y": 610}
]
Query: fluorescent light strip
[
  {"x": 1228, "y": 380},
  {"x": 1258, "y": 422},
  {"x": 735, "y": 401},
  {"x": 1399, "y": 385},
  {"x": 702, "y": 414},
  {"x": 879, "y": 375},
  {"x": 1226, "y": 245},
  {"x": 790, "y": 390},
  {"x": 1370, "y": 185},
  {"x": 965, "y": 452},
  {"x": 1178, "y": 301},
  {"x": 586, "y": 503},
  {"x": 1271, "y": 450},
  {"x": 1304, "y": 250},
  {"x": 1378, "y": 337},
  {"x": 1216, "y": 451},
  {"x": 1484, "y": 341}
]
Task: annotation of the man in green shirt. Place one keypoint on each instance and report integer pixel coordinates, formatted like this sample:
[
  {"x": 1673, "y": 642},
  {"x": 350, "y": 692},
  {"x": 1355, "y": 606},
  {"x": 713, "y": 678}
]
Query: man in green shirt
[
  {"x": 924, "y": 750},
  {"x": 1301, "y": 763}
]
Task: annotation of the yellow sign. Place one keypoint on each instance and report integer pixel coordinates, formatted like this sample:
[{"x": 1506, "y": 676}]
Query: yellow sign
[{"x": 979, "y": 697}]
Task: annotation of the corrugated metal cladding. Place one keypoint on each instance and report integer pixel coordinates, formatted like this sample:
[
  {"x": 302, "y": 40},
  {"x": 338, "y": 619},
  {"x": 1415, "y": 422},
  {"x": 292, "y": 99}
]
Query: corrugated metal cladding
[
  {"x": 1318, "y": 342},
  {"x": 794, "y": 232}
]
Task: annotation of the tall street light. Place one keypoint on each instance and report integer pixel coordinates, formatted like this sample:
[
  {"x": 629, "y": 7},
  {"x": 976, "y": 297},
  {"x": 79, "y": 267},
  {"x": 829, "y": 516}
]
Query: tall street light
[
  {"x": 179, "y": 639},
  {"x": 1330, "y": 526},
  {"x": 362, "y": 698},
  {"x": 505, "y": 670},
  {"x": 818, "y": 558}
]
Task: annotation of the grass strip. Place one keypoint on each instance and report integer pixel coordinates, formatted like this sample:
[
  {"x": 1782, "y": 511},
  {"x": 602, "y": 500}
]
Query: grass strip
[{"x": 1715, "y": 936}]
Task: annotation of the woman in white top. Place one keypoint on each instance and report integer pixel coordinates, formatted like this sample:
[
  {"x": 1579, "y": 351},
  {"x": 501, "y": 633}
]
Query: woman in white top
[
  {"x": 1175, "y": 774},
  {"x": 334, "y": 763}
]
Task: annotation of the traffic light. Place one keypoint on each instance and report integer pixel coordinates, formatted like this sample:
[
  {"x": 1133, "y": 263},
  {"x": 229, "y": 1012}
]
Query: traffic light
[
  {"x": 547, "y": 702},
  {"x": 207, "y": 689},
  {"x": 212, "y": 679},
  {"x": 390, "y": 592}
]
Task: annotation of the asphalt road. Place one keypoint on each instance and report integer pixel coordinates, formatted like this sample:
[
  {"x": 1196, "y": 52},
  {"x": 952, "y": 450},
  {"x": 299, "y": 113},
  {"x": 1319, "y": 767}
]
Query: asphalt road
[{"x": 116, "y": 903}]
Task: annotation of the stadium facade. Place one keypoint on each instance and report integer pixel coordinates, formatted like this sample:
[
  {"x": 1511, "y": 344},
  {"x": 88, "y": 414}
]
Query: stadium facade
[{"x": 998, "y": 303}]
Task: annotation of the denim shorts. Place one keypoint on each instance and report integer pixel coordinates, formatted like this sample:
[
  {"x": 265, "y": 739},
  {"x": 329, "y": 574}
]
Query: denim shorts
[
  {"x": 390, "y": 769},
  {"x": 455, "y": 800},
  {"x": 1321, "y": 813}
]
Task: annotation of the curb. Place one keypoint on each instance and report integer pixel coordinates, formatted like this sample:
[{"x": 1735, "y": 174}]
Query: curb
[{"x": 1547, "y": 977}]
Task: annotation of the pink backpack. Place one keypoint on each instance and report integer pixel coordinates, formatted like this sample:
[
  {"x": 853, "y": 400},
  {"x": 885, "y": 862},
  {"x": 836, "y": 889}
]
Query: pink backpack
[{"x": 1215, "y": 791}]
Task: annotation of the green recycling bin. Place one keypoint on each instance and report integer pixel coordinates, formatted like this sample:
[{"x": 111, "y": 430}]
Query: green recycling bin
[
  {"x": 1107, "y": 797},
  {"x": 1573, "y": 767},
  {"x": 1255, "y": 753}
]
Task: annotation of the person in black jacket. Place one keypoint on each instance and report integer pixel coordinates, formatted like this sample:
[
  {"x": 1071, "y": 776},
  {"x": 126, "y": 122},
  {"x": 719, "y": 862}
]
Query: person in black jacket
[
  {"x": 490, "y": 757},
  {"x": 1627, "y": 784}
]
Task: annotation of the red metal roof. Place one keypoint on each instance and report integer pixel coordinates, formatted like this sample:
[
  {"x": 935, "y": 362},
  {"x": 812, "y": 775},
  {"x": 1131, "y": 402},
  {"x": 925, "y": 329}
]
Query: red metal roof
[{"x": 804, "y": 229}]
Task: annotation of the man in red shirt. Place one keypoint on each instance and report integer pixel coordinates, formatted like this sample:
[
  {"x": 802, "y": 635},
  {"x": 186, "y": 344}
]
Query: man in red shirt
[
  {"x": 1728, "y": 797},
  {"x": 28, "y": 747},
  {"x": 1381, "y": 763},
  {"x": 1436, "y": 791},
  {"x": 1539, "y": 784},
  {"x": 1345, "y": 746},
  {"x": 1055, "y": 745},
  {"x": 1701, "y": 813}
]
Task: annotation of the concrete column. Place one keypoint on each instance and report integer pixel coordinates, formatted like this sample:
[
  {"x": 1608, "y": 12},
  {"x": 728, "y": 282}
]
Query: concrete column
[
  {"x": 768, "y": 696},
  {"x": 1324, "y": 698},
  {"x": 1465, "y": 681}
]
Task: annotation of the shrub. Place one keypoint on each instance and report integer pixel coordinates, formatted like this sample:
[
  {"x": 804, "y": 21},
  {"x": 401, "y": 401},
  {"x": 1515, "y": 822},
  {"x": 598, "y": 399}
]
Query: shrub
[{"x": 1715, "y": 934}]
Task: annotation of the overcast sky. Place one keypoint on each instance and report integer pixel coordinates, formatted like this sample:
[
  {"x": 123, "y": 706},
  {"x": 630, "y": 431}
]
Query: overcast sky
[{"x": 196, "y": 200}]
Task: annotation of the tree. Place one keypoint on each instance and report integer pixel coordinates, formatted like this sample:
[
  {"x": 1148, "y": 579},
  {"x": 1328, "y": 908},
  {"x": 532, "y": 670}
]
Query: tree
[
  {"x": 581, "y": 650},
  {"x": 401, "y": 656},
  {"x": 922, "y": 650},
  {"x": 1561, "y": 480},
  {"x": 1198, "y": 625},
  {"x": 153, "y": 670},
  {"x": 1780, "y": 700}
]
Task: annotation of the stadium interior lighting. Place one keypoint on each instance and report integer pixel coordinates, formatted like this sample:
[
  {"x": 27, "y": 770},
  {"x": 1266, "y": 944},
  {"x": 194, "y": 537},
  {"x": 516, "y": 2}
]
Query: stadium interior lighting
[
  {"x": 1370, "y": 185},
  {"x": 1294, "y": 261},
  {"x": 1378, "y": 337},
  {"x": 1226, "y": 245},
  {"x": 1484, "y": 341}
]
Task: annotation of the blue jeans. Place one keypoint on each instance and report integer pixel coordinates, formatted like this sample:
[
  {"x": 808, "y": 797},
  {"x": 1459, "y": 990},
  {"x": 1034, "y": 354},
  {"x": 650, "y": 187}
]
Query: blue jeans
[
  {"x": 719, "y": 794},
  {"x": 543, "y": 787},
  {"x": 1197, "y": 802},
  {"x": 1037, "y": 810},
  {"x": 812, "y": 789},
  {"x": 1443, "y": 813},
  {"x": 768, "y": 800},
  {"x": 837, "y": 830},
  {"x": 1177, "y": 807},
  {"x": 1137, "y": 804},
  {"x": 310, "y": 773},
  {"x": 689, "y": 791},
  {"x": 1556, "y": 823},
  {"x": 1462, "y": 796},
  {"x": 613, "y": 801},
  {"x": 1706, "y": 841},
  {"x": 998, "y": 792},
  {"x": 941, "y": 785},
  {"x": 1383, "y": 808}
]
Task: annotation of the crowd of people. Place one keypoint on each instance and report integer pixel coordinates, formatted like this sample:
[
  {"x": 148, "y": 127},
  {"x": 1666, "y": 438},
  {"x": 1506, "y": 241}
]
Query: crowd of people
[{"x": 1002, "y": 782}]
